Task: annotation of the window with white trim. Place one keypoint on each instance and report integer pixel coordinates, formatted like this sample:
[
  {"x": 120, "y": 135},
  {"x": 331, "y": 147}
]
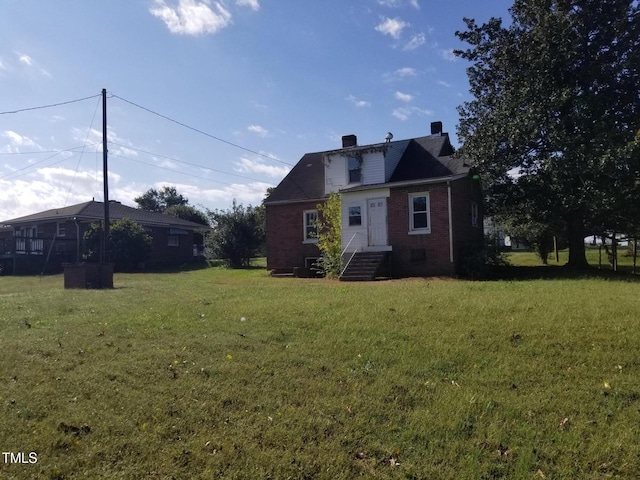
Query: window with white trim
[
  {"x": 61, "y": 230},
  {"x": 355, "y": 215},
  {"x": 355, "y": 170},
  {"x": 310, "y": 226},
  {"x": 419, "y": 215}
]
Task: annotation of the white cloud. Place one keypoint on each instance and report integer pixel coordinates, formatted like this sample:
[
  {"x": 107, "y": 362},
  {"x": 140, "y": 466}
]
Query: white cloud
[
  {"x": 444, "y": 84},
  {"x": 392, "y": 27},
  {"x": 16, "y": 141},
  {"x": 403, "y": 97},
  {"x": 447, "y": 54},
  {"x": 415, "y": 42},
  {"x": 47, "y": 188},
  {"x": 358, "y": 103},
  {"x": 246, "y": 165},
  {"x": 404, "y": 114},
  {"x": 247, "y": 194},
  {"x": 400, "y": 74},
  {"x": 192, "y": 17},
  {"x": 253, "y": 4},
  {"x": 398, "y": 3},
  {"x": 258, "y": 130},
  {"x": 401, "y": 113},
  {"x": 26, "y": 59},
  {"x": 31, "y": 64}
]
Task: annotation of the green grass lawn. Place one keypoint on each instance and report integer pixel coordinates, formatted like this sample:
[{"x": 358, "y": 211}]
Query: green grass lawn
[{"x": 232, "y": 374}]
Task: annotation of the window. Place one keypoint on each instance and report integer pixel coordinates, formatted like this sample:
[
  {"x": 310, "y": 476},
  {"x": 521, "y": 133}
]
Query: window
[
  {"x": 62, "y": 231},
  {"x": 174, "y": 241},
  {"x": 355, "y": 216},
  {"x": 474, "y": 214},
  {"x": 355, "y": 170},
  {"x": 310, "y": 226},
  {"x": 419, "y": 221}
]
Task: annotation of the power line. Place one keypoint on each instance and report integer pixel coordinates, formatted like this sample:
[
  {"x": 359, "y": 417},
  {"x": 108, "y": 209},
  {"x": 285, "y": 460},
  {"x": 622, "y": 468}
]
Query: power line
[
  {"x": 55, "y": 154},
  {"x": 182, "y": 161},
  {"x": 200, "y": 131},
  {"x": 182, "y": 173},
  {"x": 49, "y": 106}
]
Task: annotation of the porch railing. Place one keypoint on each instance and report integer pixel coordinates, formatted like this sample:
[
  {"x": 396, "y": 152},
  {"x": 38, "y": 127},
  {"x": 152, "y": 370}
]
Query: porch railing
[{"x": 358, "y": 246}]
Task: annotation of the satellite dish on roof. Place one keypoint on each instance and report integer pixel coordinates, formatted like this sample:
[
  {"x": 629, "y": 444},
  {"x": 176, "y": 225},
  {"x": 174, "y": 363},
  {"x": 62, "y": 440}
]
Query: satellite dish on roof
[{"x": 388, "y": 137}]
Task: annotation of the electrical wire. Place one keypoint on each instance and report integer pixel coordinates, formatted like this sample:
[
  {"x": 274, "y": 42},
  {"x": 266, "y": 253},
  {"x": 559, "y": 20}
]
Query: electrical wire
[
  {"x": 181, "y": 173},
  {"x": 49, "y": 106},
  {"x": 200, "y": 131},
  {"x": 57, "y": 152},
  {"x": 184, "y": 162},
  {"x": 75, "y": 174}
]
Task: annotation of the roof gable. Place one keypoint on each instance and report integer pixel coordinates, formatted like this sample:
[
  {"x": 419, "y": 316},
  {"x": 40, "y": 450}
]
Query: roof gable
[{"x": 424, "y": 158}]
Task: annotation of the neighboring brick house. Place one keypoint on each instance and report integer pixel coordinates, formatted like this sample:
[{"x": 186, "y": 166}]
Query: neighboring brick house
[
  {"x": 42, "y": 242},
  {"x": 409, "y": 199}
]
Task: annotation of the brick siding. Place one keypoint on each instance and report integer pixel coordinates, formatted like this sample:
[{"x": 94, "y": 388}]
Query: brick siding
[{"x": 285, "y": 227}]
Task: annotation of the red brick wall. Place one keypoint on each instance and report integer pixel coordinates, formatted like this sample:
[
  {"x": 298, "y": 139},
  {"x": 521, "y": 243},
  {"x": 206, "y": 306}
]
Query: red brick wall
[
  {"x": 466, "y": 237},
  {"x": 285, "y": 247},
  {"x": 423, "y": 254}
]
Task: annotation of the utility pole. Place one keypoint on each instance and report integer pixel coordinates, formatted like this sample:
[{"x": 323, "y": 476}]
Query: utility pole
[{"x": 105, "y": 230}]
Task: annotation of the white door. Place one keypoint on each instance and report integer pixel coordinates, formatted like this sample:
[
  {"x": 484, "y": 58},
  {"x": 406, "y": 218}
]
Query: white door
[{"x": 377, "y": 221}]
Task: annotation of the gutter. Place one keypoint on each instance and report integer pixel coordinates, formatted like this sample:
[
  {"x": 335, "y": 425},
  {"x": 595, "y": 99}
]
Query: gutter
[{"x": 450, "y": 221}]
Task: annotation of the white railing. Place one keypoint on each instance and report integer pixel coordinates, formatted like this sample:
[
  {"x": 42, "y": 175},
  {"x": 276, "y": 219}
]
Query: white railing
[{"x": 358, "y": 247}]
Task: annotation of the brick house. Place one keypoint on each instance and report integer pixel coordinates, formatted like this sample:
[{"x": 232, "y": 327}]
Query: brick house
[
  {"x": 42, "y": 242},
  {"x": 409, "y": 205}
]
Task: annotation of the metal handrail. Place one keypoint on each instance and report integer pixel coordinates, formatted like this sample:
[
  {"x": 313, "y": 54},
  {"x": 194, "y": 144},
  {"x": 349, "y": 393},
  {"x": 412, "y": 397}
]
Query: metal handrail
[{"x": 352, "y": 255}]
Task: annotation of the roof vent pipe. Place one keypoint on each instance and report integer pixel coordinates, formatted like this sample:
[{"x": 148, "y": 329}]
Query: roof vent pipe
[
  {"x": 349, "y": 141},
  {"x": 436, "y": 128}
]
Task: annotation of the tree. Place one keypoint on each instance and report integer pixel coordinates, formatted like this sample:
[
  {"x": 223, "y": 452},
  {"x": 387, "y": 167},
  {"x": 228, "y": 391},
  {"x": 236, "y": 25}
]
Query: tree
[
  {"x": 129, "y": 244},
  {"x": 556, "y": 104},
  {"x": 159, "y": 201},
  {"x": 187, "y": 212},
  {"x": 330, "y": 235},
  {"x": 237, "y": 234}
]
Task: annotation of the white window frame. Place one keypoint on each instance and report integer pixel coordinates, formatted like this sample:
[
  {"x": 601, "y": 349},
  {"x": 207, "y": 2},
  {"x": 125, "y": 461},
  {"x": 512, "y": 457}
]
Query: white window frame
[
  {"x": 305, "y": 236},
  {"x": 61, "y": 230},
  {"x": 412, "y": 229},
  {"x": 358, "y": 164},
  {"x": 349, "y": 216}
]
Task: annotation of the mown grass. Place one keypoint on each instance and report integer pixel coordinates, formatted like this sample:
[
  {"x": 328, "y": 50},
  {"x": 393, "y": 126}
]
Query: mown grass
[{"x": 424, "y": 378}]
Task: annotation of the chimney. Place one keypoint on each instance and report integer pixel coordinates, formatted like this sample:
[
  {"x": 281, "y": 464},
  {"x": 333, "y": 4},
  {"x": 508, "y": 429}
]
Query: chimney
[
  {"x": 436, "y": 128},
  {"x": 349, "y": 141}
]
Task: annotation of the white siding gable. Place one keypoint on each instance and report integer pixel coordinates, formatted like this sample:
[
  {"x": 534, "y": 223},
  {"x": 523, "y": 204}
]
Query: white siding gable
[
  {"x": 335, "y": 173},
  {"x": 372, "y": 168}
]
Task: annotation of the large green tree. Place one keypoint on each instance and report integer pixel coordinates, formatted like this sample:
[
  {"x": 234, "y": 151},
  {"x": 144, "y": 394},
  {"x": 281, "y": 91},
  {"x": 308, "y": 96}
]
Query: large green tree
[
  {"x": 129, "y": 244},
  {"x": 160, "y": 200},
  {"x": 237, "y": 234},
  {"x": 556, "y": 106}
]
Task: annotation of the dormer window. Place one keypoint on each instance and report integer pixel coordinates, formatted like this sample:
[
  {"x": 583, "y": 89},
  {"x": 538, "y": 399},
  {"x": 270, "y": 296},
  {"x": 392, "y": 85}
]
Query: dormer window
[{"x": 355, "y": 170}]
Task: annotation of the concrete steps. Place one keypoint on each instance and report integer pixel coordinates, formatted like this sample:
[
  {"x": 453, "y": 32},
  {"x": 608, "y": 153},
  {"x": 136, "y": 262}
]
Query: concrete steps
[{"x": 364, "y": 267}]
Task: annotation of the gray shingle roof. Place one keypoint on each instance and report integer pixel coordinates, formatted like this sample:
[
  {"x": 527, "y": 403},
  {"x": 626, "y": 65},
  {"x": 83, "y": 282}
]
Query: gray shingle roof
[
  {"x": 93, "y": 210},
  {"x": 424, "y": 158}
]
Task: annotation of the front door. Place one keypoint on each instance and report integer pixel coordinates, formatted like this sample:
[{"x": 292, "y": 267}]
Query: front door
[{"x": 377, "y": 221}]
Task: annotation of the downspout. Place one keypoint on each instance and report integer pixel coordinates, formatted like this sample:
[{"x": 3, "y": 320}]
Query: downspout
[
  {"x": 450, "y": 222},
  {"x": 75, "y": 219}
]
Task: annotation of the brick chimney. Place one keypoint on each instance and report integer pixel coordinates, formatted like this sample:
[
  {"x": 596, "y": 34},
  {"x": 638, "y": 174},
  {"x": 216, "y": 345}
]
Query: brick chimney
[
  {"x": 436, "y": 128},
  {"x": 349, "y": 141}
]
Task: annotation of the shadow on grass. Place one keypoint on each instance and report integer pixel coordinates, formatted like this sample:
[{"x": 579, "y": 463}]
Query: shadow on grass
[{"x": 554, "y": 273}]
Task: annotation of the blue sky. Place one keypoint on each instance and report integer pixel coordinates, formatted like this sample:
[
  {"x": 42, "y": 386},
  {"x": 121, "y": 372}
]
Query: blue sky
[{"x": 260, "y": 83}]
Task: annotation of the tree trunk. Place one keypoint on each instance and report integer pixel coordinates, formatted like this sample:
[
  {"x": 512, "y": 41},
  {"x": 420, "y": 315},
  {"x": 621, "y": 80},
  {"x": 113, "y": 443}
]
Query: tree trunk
[{"x": 575, "y": 233}]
